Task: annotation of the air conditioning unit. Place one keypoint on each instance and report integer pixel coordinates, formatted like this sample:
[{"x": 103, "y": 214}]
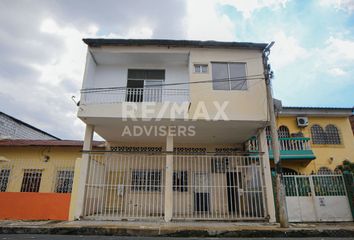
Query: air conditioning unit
[{"x": 302, "y": 121}]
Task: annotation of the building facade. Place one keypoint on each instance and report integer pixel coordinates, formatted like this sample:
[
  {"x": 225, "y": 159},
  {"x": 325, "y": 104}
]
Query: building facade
[
  {"x": 176, "y": 116},
  {"x": 328, "y": 132},
  {"x": 36, "y": 178}
]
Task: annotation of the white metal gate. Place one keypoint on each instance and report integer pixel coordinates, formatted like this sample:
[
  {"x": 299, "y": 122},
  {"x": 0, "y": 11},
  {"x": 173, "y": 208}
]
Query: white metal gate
[
  {"x": 205, "y": 187},
  {"x": 125, "y": 186},
  {"x": 317, "y": 198},
  {"x": 218, "y": 187}
]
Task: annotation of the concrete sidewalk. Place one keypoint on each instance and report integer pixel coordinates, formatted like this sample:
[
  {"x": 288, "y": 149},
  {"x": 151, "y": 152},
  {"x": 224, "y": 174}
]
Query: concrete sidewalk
[{"x": 178, "y": 229}]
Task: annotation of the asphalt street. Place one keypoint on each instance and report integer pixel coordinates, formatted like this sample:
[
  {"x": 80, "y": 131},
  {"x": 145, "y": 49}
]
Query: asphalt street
[{"x": 75, "y": 237}]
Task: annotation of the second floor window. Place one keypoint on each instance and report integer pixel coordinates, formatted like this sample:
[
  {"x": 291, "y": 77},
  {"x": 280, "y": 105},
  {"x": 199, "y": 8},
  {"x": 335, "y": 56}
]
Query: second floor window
[
  {"x": 200, "y": 68},
  {"x": 283, "y": 132},
  {"x": 229, "y": 76},
  {"x": 329, "y": 135}
]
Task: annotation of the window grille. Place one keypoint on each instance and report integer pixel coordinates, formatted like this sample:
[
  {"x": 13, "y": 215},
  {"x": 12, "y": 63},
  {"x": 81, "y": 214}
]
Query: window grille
[
  {"x": 318, "y": 135},
  {"x": 146, "y": 181},
  {"x": 219, "y": 165},
  {"x": 4, "y": 179},
  {"x": 229, "y": 76},
  {"x": 189, "y": 150},
  {"x": 180, "y": 181},
  {"x": 64, "y": 181},
  {"x": 332, "y": 134},
  {"x": 283, "y": 132},
  {"x": 135, "y": 149},
  {"x": 31, "y": 180}
]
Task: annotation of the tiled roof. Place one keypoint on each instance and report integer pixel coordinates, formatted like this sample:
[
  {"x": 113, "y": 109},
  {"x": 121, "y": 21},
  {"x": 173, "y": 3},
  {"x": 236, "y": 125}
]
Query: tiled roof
[
  {"x": 28, "y": 125},
  {"x": 59, "y": 143}
]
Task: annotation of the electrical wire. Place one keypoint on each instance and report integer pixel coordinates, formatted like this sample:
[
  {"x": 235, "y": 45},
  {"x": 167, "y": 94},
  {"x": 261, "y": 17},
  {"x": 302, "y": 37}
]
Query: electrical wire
[{"x": 236, "y": 79}]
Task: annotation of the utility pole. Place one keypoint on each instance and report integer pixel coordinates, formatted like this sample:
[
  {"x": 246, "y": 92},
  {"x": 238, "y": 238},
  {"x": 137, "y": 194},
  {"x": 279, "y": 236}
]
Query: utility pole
[{"x": 280, "y": 190}]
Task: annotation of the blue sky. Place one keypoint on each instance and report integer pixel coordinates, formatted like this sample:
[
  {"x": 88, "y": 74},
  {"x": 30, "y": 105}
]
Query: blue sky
[
  {"x": 43, "y": 58},
  {"x": 319, "y": 31}
]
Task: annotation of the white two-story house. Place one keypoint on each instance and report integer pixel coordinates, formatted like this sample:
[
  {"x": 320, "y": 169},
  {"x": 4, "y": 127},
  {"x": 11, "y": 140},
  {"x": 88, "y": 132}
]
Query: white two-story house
[{"x": 176, "y": 116}]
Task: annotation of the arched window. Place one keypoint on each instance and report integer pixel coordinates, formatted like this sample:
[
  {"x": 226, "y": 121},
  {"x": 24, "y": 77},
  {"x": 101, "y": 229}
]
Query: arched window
[
  {"x": 283, "y": 132},
  {"x": 332, "y": 134},
  {"x": 318, "y": 135},
  {"x": 324, "y": 170}
]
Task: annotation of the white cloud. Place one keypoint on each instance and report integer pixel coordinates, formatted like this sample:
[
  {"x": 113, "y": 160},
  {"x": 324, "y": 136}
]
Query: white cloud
[
  {"x": 344, "y": 5},
  {"x": 286, "y": 50},
  {"x": 337, "y": 72},
  {"x": 247, "y": 7},
  {"x": 204, "y": 22},
  {"x": 338, "y": 50}
]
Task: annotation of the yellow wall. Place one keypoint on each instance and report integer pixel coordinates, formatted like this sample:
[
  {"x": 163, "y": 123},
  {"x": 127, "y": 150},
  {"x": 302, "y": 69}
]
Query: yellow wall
[
  {"x": 323, "y": 152},
  {"x": 32, "y": 158}
]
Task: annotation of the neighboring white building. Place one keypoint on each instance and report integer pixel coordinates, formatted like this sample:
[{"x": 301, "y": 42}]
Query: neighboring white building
[
  {"x": 12, "y": 128},
  {"x": 196, "y": 103}
]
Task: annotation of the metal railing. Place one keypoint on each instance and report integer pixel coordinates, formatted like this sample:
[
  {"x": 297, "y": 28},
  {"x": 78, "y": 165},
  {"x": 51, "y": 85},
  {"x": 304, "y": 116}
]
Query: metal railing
[
  {"x": 218, "y": 187},
  {"x": 286, "y": 144},
  {"x": 132, "y": 186},
  {"x": 110, "y": 96}
]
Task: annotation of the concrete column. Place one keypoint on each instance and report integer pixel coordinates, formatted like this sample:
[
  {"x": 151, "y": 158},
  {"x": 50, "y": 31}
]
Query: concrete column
[
  {"x": 263, "y": 149},
  {"x": 169, "y": 180},
  {"x": 80, "y": 196}
]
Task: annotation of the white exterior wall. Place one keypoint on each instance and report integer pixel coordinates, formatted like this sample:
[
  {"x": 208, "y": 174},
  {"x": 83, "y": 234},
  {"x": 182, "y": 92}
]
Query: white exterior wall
[{"x": 102, "y": 76}]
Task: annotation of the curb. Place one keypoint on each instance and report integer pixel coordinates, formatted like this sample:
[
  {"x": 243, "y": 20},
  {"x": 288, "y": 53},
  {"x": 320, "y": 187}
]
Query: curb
[{"x": 336, "y": 233}]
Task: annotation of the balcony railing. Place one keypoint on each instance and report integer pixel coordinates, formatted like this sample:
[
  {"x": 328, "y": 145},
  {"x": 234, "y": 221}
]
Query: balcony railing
[
  {"x": 108, "y": 96},
  {"x": 290, "y": 148}
]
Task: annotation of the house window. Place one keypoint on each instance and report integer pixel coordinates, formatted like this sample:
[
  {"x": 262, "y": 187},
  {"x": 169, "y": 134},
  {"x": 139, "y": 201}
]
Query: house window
[
  {"x": 229, "y": 76},
  {"x": 329, "y": 136},
  {"x": 200, "y": 68},
  {"x": 146, "y": 181},
  {"x": 283, "y": 132},
  {"x": 31, "y": 180},
  {"x": 4, "y": 179},
  {"x": 219, "y": 165},
  {"x": 64, "y": 181},
  {"x": 180, "y": 181},
  {"x": 318, "y": 135},
  {"x": 268, "y": 131},
  {"x": 145, "y": 85},
  {"x": 332, "y": 135}
]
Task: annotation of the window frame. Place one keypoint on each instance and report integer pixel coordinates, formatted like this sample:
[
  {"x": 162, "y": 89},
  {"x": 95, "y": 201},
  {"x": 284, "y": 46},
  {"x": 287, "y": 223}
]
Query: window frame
[
  {"x": 59, "y": 180},
  {"x": 141, "y": 178},
  {"x": 200, "y": 67},
  {"x": 4, "y": 178},
  {"x": 28, "y": 180},
  {"x": 244, "y": 86}
]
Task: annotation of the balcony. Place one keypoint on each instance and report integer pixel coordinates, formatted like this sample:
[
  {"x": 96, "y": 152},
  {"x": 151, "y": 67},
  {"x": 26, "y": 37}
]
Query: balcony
[
  {"x": 297, "y": 148},
  {"x": 119, "y": 95}
]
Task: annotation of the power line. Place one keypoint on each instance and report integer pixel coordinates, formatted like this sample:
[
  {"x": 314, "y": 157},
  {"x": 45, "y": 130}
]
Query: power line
[{"x": 236, "y": 79}]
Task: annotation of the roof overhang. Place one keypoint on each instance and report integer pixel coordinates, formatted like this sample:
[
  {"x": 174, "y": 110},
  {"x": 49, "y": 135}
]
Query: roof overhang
[{"x": 98, "y": 42}]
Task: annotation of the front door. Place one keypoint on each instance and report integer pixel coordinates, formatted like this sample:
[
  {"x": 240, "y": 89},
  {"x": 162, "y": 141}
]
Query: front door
[
  {"x": 233, "y": 179},
  {"x": 201, "y": 193}
]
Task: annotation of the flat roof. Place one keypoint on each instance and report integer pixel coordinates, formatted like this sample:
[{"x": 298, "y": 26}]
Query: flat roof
[
  {"x": 98, "y": 42},
  {"x": 317, "y": 111},
  {"x": 28, "y": 125},
  {"x": 53, "y": 143}
]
